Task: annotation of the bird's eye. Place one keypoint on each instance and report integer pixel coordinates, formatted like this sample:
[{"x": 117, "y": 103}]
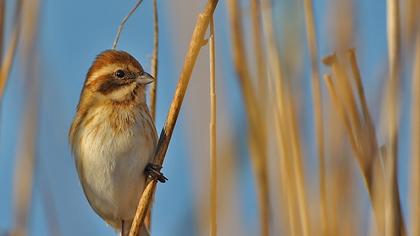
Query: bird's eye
[{"x": 120, "y": 73}]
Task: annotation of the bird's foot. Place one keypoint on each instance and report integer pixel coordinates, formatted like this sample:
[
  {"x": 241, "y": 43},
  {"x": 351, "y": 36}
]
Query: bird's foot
[{"x": 153, "y": 171}]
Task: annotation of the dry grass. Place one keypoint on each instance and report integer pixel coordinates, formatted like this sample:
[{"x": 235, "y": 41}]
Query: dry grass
[{"x": 348, "y": 144}]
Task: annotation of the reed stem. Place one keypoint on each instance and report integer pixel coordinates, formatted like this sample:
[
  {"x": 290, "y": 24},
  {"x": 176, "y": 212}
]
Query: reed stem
[{"x": 197, "y": 41}]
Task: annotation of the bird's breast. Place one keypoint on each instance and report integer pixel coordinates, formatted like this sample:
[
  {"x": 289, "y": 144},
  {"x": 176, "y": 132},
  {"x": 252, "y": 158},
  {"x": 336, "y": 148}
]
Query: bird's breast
[{"x": 114, "y": 148}]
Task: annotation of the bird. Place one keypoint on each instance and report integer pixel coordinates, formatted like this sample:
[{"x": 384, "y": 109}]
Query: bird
[{"x": 113, "y": 138}]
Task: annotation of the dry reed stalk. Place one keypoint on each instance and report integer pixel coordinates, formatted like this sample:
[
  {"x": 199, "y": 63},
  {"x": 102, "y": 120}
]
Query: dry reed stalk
[
  {"x": 291, "y": 164},
  {"x": 345, "y": 89},
  {"x": 213, "y": 134},
  {"x": 283, "y": 148},
  {"x": 337, "y": 154},
  {"x": 288, "y": 180},
  {"x": 261, "y": 91},
  {"x": 415, "y": 140},
  {"x": 345, "y": 107},
  {"x": 26, "y": 157},
  {"x": 2, "y": 19},
  {"x": 259, "y": 53},
  {"x": 361, "y": 93},
  {"x": 340, "y": 110},
  {"x": 362, "y": 137},
  {"x": 7, "y": 60},
  {"x": 412, "y": 19},
  {"x": 363, "y": 156},
  {"x": 318, "y": 110},
  {"x": 346, "y": 104},
  {"x": 153, "y": 90},
  {"x": 24, "y": 172},
  {"x": 342, "y": 176},
  {"x": 342, "y": 23},
  {"x": 154, "y": 63},
  {"x": 228, "y": 213},
  {"x": 122, "y": 24},
  {"x": 297, "y": 165},
  {"x": 197, "y": 41},
  {"x": 257, "y": 136},
  {"x": 288, "y": 128},
  {"x": 286, "y": 115},
  {"x": 346, "y": 191},
  {"x": 286, "y": 186},
  {"x": 393, "y": 221}
]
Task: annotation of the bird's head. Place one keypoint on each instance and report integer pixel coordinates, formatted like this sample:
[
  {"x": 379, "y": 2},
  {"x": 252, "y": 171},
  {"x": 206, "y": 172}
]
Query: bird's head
[{"x": 116, "y": 76}]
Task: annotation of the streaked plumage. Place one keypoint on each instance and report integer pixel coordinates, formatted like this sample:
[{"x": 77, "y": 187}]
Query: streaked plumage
[{"x": 113, "y": 136}]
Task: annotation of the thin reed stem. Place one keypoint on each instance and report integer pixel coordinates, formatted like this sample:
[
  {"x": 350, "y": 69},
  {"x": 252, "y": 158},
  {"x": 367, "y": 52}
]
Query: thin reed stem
[
  {"x": 257, "y": 136},
  {"x": 283, "y": 103},
  {"x": 415, "y": 140},
  {"x": 318, "y": 110},
  {"x": 341, "y": 112},
  {"x": 122, "y": 24},
  {"x": 2, "y": 19},
  {"x": 393, "y": 221},
  {"x": 358, "y": 79},
  {"x": 213, "y": 134},
  {"x": 362, "y": 136},
  {"x": 197, "y": 41},
  {"x": 8, "y": 58},
  {"x": 297, "y": 165},
  {"x": 259, "y": 52},
  {"x": 153, "y": 89},
  {"x": 26, "y": 154},
  {"x": 154, "y": 61},
  {"x": 412, "y": 19}
]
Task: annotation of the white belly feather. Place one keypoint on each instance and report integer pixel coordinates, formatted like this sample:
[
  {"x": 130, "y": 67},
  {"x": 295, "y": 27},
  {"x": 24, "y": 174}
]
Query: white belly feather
[{"x": 111, "y": 165}]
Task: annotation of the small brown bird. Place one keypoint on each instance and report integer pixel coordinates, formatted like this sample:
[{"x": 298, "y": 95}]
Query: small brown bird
[{"x": 113, "y": 137}]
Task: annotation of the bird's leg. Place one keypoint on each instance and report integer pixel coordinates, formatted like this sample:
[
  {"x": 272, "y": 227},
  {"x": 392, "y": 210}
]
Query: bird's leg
[
  {"x": 153, "y": 171},
  {"x": 122, "y": 228}
]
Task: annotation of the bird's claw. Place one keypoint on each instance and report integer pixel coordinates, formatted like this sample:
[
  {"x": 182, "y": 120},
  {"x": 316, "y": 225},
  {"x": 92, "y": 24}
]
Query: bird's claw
[{"x": 153, "y": 171}]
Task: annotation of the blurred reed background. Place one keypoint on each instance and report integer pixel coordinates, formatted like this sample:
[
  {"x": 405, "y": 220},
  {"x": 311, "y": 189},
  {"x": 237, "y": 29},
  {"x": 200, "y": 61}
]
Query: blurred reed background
[{"x": 313, "y": 109}]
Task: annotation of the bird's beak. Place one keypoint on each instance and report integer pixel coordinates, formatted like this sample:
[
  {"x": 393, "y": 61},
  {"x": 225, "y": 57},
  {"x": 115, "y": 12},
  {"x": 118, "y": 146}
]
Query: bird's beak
[{"x": 145, "y": 78}]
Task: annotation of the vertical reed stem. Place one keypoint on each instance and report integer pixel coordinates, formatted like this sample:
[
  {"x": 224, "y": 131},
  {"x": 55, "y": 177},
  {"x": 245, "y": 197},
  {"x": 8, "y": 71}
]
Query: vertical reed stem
[
  {"x": 393, "y": 224},
  {"x": 259, "y": 54},
  {"x": 318, "y": 111},
  {"x": 153, "y": 89},
  {"x": 7, "y": 60},
  {"x": 213, "y": 134},
  {"x": 196, "y": 43},
  {"x": 2, "y": 18},
  {"x": 415, "y": 140},
  {"x": 154, "y": 62},
  {"x": 257, "y": 136}
]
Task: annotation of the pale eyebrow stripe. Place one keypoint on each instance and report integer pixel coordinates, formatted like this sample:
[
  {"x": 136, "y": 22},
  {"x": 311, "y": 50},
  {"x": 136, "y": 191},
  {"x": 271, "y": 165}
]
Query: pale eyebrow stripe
[
  {"x": 133, "y": 68},
  {"x": 105, "y": 70}
]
